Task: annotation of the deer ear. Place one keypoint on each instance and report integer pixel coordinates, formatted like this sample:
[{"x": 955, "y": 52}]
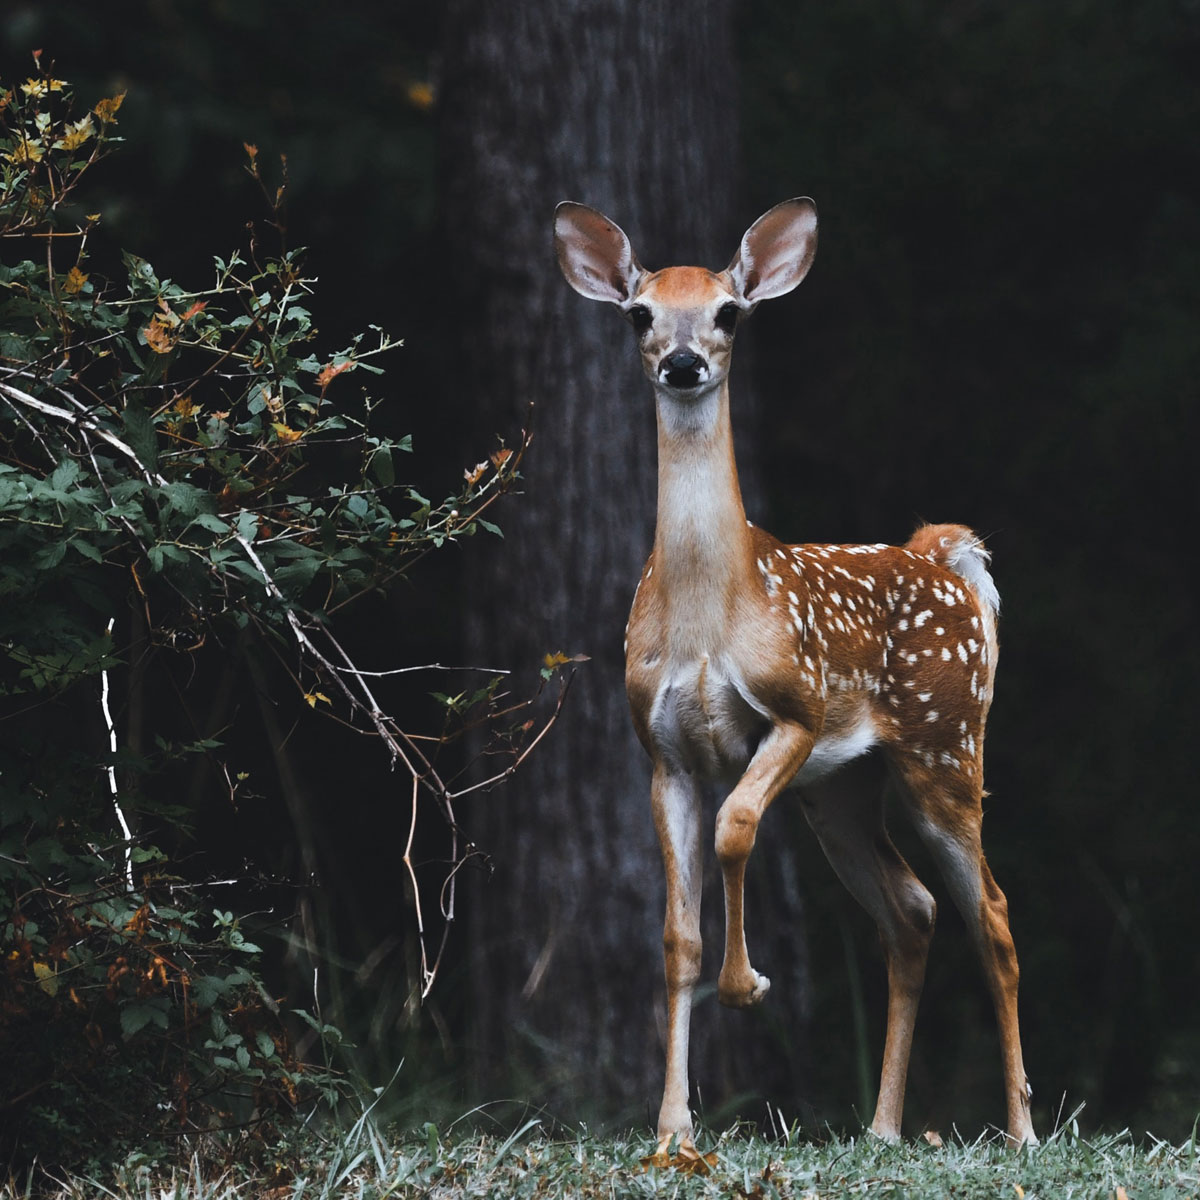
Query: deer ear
[
  {"x": 594, "y": 254},
  {"x": 776, "y": 251}
]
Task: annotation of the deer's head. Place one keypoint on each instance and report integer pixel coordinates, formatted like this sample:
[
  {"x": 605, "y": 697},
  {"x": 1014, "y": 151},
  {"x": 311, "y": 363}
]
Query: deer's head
[{"x": 685, "y": 318}]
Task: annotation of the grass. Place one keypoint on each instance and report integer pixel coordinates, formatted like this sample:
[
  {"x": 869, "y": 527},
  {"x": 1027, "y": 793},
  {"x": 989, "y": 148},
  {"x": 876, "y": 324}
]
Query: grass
[{"x": 746, "y": 1165}]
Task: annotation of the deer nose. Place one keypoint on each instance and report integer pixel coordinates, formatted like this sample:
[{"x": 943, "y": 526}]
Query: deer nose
[{"x": 682, "y": 368}]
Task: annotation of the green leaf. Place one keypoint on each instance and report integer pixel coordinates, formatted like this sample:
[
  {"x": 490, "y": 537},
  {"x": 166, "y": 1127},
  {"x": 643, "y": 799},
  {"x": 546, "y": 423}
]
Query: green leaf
[
  {"x": 141, "y": 435},
  {"x": 212, "y": 523},
  {"x": 50, "y": 555},
  {"x": 247, "y": 525},
  {"x": 185, "y": 498},
  {"x": 381, "y": 464},
  {"x": 64, "y": 475},
  {"x": 85, "y": 548},
  {"x": 136, "y": 1015}
]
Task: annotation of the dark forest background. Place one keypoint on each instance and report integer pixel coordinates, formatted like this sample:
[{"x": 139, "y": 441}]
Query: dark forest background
[{"x": 1001, "y": 329}]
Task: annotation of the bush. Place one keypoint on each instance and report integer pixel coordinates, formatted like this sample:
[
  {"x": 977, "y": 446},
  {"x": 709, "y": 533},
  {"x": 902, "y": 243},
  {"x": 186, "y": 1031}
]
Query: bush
[{"x": 183, "y": 473}]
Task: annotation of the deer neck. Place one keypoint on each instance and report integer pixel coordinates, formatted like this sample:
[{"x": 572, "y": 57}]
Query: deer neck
[{"x": 702, "y": 547}]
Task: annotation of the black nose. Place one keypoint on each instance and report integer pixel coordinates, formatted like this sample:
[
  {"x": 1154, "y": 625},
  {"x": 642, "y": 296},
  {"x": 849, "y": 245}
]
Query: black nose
[{"x": 682, "y": 368}]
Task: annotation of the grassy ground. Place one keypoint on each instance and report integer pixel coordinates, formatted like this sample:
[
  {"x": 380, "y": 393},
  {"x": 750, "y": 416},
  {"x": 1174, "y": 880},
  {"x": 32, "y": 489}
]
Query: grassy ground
[{"x": 740, "y": 1163}]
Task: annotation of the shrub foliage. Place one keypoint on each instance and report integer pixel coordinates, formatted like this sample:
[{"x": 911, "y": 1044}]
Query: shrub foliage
[{"x": 183, "y": 470}]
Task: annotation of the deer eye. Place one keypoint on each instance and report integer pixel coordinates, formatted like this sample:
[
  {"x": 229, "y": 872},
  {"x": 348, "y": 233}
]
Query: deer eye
[
  {"x": 639, "y": 314},
  {"x": 727, "y": 317}
]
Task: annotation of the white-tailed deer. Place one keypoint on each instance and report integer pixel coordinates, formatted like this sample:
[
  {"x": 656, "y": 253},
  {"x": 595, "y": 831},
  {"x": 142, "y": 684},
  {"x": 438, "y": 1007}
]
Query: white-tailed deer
[{"x": 766, "y": 665}]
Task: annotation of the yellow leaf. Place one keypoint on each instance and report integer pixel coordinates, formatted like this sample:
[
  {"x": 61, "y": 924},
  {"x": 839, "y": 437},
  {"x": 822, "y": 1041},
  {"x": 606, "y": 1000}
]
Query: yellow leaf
[
  {"x": 46, "y": 978},
  {"x": 25, "y": 151},
  {"x": 39, "y": 87},
  {"x": 1019, "y": 1190},
  {"x": 284, "y": 434},
  {"x": 106, "y": 110},
  {"x": 74, "y": 281},
  {"x": 313, "y": 697},
  {"x": 77, "y": 132},
  {"x": 473, "y": 474},
  {"x": 558, "y": 658}
]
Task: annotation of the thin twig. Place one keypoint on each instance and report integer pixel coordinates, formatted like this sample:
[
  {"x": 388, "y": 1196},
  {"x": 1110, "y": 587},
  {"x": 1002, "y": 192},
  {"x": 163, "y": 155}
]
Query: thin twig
[
  {"x": 511, "y": 769},
  {"x": 424, "y": 667},
  {"x": 79, "y": 422},
  {"x": 112, "y": 770}
]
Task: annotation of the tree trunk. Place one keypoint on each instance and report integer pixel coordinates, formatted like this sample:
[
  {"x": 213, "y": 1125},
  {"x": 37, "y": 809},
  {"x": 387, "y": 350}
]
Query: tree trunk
[{"x": 629, "y": 107}]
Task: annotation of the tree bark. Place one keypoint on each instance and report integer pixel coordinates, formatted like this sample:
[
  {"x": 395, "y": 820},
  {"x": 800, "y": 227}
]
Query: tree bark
[{"x": 629, "y": 107}]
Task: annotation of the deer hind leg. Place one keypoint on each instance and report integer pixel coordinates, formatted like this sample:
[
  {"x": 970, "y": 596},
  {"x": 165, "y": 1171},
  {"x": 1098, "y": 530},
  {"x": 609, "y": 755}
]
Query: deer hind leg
[
  {"x": 676, "y": 805},
  {"x": 947, "y": 811},
  {"x": 779, "y": 756},
  {"x": 846, "y": 814}
]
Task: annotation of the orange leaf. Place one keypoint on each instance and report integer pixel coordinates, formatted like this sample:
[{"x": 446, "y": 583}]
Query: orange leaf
[
  {"x": 327, "y": 373},
  {"x": 688, "y": 1161},
  {"x": 420, "y": 95},
  {"x": 74, "y": 281},
  {"x": 501, "y": 457},
  {"x": 198, "y": 307},
  {"x": 473, "y": 474},
  {"x": 158, "y": 337}
]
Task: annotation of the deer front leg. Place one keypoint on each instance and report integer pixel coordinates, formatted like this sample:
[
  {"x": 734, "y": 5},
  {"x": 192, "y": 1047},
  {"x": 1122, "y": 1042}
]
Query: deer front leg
[
  {"x": 676, "y": 804},
  {"x": 779, "y": 756}
]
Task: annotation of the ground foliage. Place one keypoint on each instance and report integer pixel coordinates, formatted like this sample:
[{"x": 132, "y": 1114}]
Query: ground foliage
[
  {"x": 742, "y": 1163},
  {"x": 184, "y": 475}
]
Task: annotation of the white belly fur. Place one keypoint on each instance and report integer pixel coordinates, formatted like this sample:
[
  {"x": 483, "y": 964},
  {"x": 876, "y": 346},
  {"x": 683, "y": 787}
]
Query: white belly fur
[{"x": 836, "y": 748}]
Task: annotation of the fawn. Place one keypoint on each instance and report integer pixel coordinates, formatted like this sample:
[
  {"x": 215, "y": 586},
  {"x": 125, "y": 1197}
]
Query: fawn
[{"x": 766, "y": 666}]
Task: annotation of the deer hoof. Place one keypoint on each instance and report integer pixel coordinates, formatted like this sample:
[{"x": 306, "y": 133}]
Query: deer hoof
[{"x": 744, "y": 992}]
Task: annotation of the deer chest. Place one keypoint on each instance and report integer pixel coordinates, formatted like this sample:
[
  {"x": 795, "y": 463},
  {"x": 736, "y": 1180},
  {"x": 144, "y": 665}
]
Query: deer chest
[{"x": 703, "y": 720}]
